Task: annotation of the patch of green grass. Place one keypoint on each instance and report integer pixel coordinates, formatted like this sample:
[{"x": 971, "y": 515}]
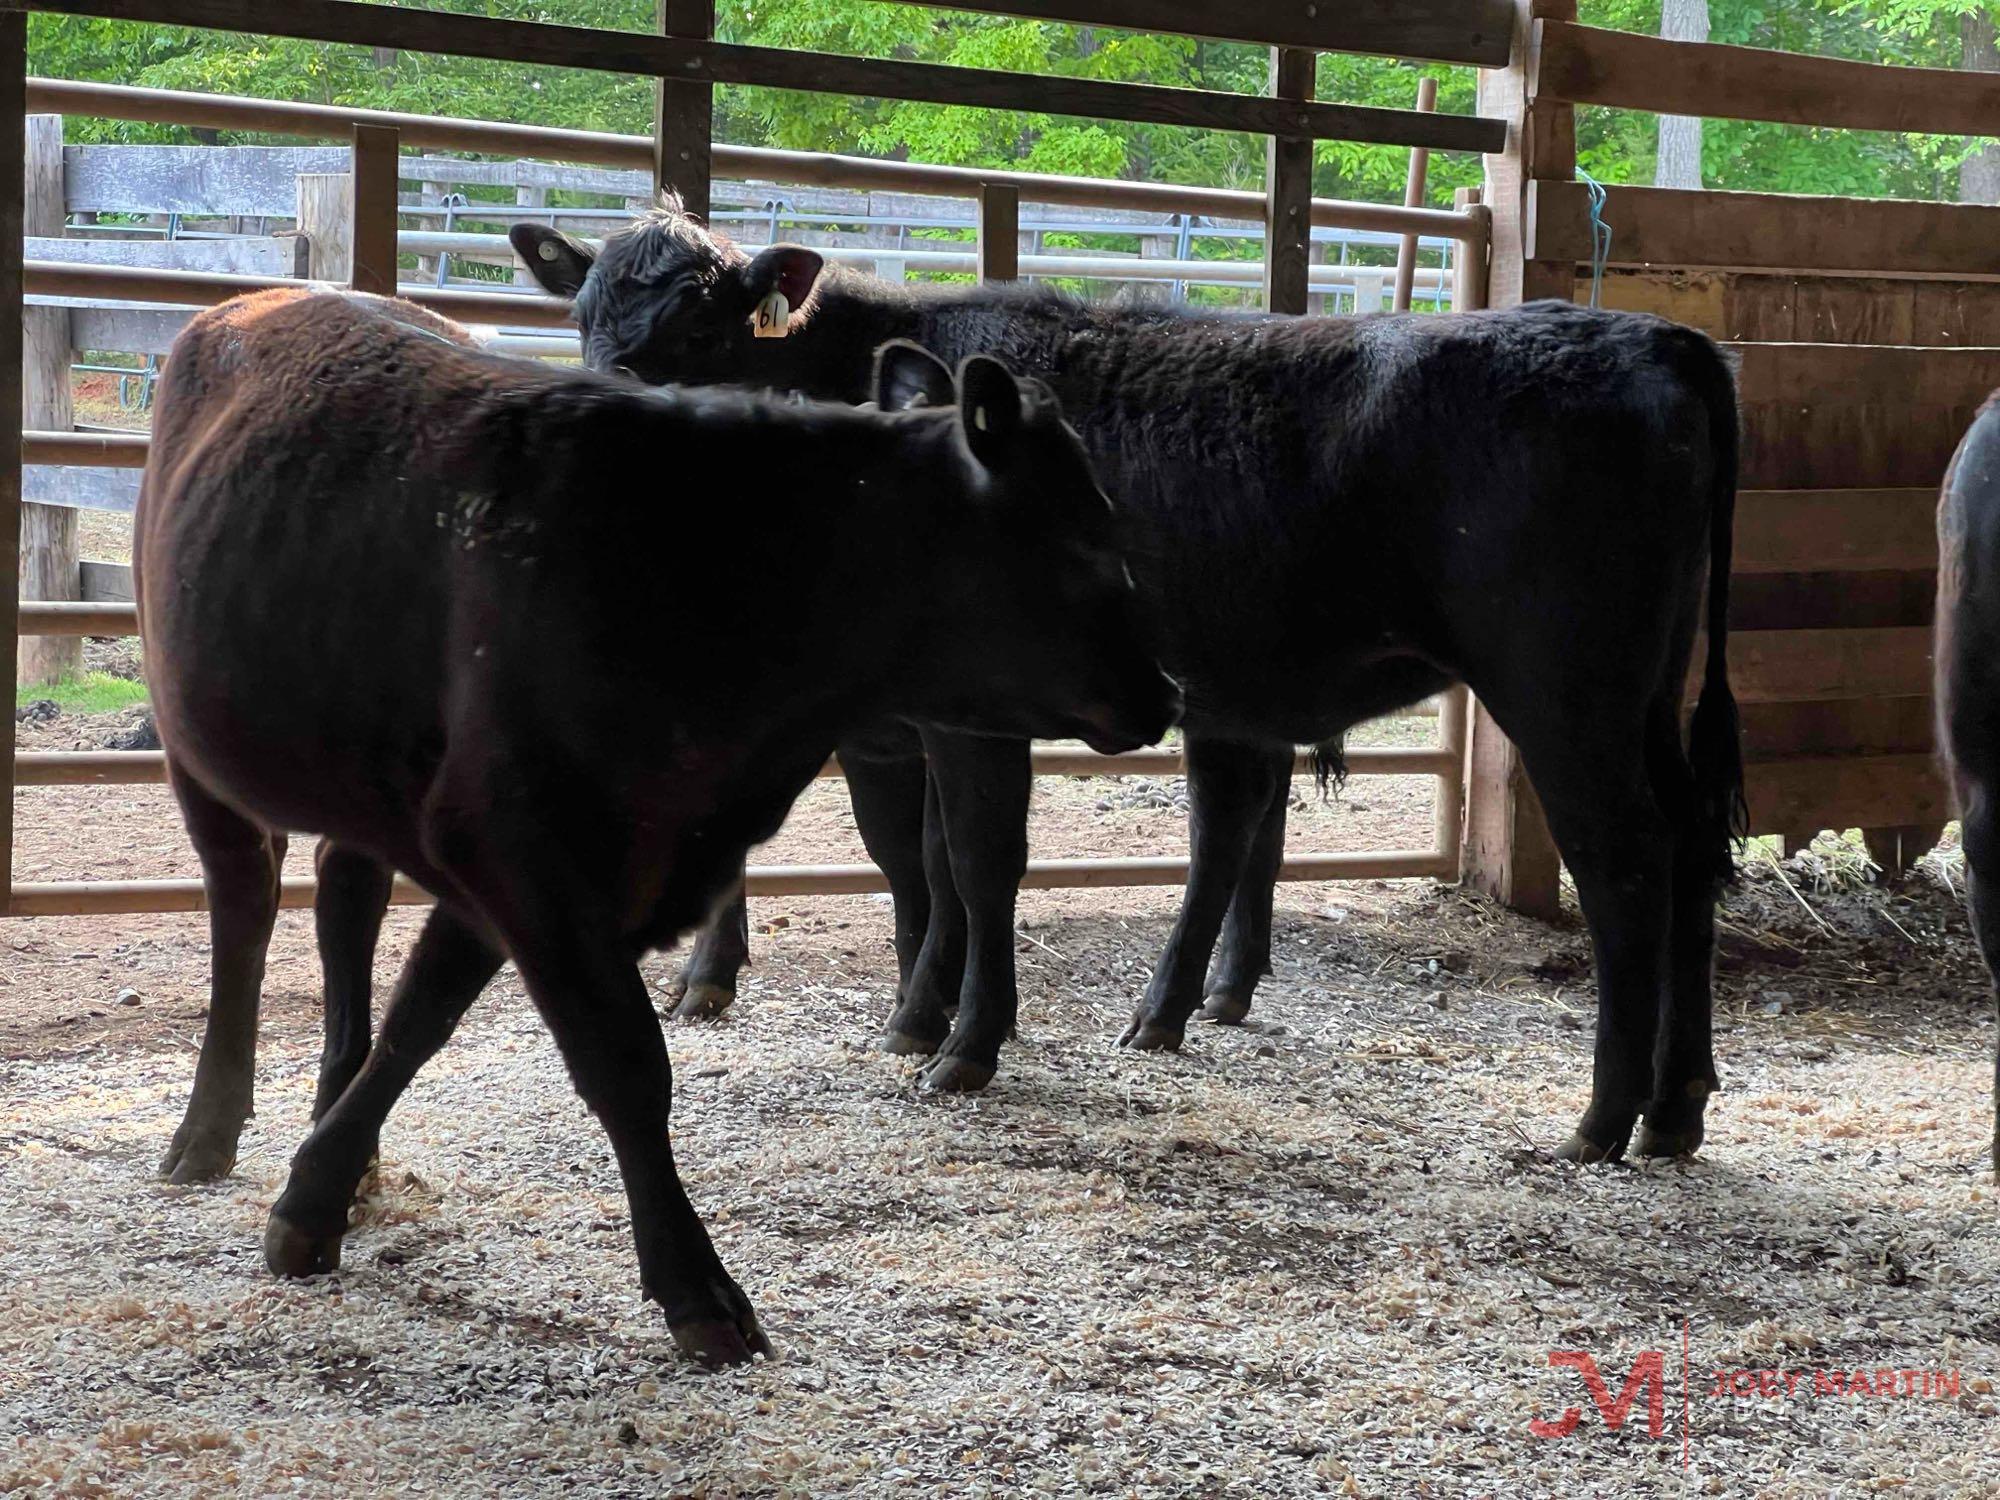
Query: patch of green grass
[{"x": 92, "y": 693}]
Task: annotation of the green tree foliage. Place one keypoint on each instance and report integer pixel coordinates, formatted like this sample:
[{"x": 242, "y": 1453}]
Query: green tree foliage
[{"x": 1616, "y": 146}]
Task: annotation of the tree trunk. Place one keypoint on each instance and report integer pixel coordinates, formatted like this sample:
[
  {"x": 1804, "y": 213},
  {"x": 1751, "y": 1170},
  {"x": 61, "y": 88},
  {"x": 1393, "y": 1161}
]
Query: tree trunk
[
  {"x": 1679, "y": 161},
  {"x": 385, "y": 59},
  {"x": 1979, "y": 177}
]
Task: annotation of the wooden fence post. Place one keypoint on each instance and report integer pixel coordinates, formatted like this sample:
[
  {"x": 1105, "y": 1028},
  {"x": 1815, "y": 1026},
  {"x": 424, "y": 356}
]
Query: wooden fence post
[
  {"x": 1413, "y": 197},
  {"x": 999, "y": 257},
  {"x": 684, "y": 115},
  {"x": 1288, "y": 190},
  {"x": 374, "y": 212},
  {"x": 1455, "y": 711},
  {"x": 13, "y": 201},
  {"x": 1508, "y": 851},
  {"x": 326, "y": 220},
  {"x": 51, "y": 548}
]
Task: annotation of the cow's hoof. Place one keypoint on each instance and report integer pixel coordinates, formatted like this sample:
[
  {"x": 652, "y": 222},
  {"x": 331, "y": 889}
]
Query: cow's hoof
[
  {"x": 1653, "y": 1142},
  {"x": 1583, "y": 1150},
  {"x": 727, "y": 1334},
  {"x": 704, "y": 1002},
  {"x": 1225, "y": 1009},
  {"x": 1145, "y": 1035},
  {"x": 954, "y": 1075},
  {"x": 909, "y": 1044},
  {"x": 290, "y": 1251},
  {"x": 200, "y": 1154}
]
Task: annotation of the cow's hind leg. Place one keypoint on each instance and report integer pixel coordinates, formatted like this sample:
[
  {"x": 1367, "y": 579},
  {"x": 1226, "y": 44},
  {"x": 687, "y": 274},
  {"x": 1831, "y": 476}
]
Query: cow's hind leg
[
  {"x": 444, "y": 973},
  {"x": 1980, "y": 827},
  {"x": 1230, "y": 787},
  {"x": 240, "y": 867},
  {"x": 1618, "y": 844},
  {"x": 1245, "y": 954},
  {"x": 706, "y": 984},
  {"x": 1684, "y": 1073},
  {"x": 352, "y": 899}
]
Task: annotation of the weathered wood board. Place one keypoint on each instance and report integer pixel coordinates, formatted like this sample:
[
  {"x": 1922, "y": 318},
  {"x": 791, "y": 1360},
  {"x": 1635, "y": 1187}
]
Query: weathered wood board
[
  {"x": 202, "y": 180},
  {"x": 273, "y": 255},
  {"x": 80, "y": 487}
]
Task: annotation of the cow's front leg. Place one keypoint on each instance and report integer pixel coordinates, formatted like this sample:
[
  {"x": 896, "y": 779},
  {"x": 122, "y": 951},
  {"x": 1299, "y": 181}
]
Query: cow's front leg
[
  {"x": 540, "y": 891},
  {"x": 706, "y": 984},
  {"x": 888, "y": 796},
  {"x": 1245, "y": 954},
  {"x": 1230, "y": 787},
  {"x": 983, "y": 788},
  {"x": 922, "y": 1018}
]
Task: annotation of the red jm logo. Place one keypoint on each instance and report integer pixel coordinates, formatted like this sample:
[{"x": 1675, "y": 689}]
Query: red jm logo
[{"x": 1648, "y": 1374}]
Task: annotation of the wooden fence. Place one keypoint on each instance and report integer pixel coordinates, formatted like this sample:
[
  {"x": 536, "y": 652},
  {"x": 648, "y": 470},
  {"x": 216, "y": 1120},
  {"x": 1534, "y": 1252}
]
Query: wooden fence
[
  {"x": 681, "y": 156},
  {"x": 1869, "y": 331},
  {"x": 282, "y": 211}
]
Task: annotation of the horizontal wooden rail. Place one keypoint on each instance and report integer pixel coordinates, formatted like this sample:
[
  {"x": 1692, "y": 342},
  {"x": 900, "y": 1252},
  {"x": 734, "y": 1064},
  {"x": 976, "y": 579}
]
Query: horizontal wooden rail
[
  {"x": 653, "y": 56},
  {"x": 806, "y": 168},
  {"x": 1845, "y": 791},
  {"x": 1766, "y": 231},
  {"x": 89, "y": 768},
  {"x": 39, "y": 617},
  {"x": 1829, "y": 531},
  {"x": 47, "y": 278},
  {"x": 1430, "y": 282},
  {"x": 336, "y": 122},
  {"x": 1460, "y": 31},
  {"x": 1866, "y": 374},
  {"x": 1587, "y": 65},
  {"x": 102, "y": 450},
  {"x": 117, "y": 897},
  {"x": 1815, "y": 666},
  {"x": 149, "y": 767}
]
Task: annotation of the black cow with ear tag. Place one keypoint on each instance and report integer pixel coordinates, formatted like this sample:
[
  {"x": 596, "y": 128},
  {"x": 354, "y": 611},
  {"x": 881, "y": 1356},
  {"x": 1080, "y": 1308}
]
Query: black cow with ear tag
[{"x": 1332, "y": 518}]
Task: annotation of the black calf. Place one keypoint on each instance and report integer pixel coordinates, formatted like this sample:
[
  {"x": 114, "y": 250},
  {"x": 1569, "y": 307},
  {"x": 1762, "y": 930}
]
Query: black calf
[
  {"x": 1336, "y": 518},
  {"x": 1967, "y": 664}
]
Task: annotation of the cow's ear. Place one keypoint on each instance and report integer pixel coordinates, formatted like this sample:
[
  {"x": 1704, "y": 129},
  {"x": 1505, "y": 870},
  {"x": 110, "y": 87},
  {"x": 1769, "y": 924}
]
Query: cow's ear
[
  {"x": 555, "y": 260},
  {"x": 792, "y": 271},
  {"x": 908, "y": 375},
  {"x": 990, "y": 409}
]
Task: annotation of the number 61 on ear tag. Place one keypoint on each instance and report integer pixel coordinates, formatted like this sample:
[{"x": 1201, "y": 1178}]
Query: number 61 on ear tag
[{"x": 773, "y": 317}]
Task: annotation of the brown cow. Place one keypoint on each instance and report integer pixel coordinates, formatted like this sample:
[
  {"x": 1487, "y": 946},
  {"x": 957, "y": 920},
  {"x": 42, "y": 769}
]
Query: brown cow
[{"x": 411, "y": 596}]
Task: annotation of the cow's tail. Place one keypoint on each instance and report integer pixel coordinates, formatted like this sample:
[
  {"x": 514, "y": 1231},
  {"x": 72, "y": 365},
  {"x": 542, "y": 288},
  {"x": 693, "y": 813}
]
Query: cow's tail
[
  {"x": 1329, "y": 759},
  {"x": 1715, "y": 736}
]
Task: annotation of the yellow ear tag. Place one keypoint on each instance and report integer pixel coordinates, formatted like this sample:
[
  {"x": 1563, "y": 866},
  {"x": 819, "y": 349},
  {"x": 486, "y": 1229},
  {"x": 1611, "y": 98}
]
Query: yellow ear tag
[{"x": 773, "y": 317}]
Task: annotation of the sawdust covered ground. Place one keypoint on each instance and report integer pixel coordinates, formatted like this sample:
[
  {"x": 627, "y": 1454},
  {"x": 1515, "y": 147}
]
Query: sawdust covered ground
[{"x": 1323, "y": 1255}]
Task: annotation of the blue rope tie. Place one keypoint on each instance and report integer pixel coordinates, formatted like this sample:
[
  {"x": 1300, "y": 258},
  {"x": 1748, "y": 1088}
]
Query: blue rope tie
[{"x": 1600, "y": 235}]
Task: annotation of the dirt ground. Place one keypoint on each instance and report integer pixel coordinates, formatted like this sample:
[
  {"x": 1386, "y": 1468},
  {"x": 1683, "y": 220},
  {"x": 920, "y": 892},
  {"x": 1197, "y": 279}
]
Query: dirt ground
[{"x": 1324, "y": 1254}]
